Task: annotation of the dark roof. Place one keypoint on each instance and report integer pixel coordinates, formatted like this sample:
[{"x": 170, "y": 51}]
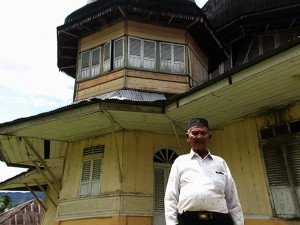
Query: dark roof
[
  {"x": 178, "y": 6},
  {"x": 97, "y": 15},
  {"x": 233, "y": 18}
]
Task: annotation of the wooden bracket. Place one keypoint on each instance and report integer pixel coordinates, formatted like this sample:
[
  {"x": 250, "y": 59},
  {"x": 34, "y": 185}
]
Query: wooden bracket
[
  {"x": 45, "y": 192},
  {"x": 54, "y": 187},
  {"x": 115, "y": 141},
  {"x": 122, "y": 12},
  {"x": 43, "y": 162},
  {"x": 35, "y": 196},
  {"x": 177, "y": 137}
]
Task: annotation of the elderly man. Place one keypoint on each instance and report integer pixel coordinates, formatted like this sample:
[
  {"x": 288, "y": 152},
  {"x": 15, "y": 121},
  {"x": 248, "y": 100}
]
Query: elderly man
[{"x": 200, "y": 188}]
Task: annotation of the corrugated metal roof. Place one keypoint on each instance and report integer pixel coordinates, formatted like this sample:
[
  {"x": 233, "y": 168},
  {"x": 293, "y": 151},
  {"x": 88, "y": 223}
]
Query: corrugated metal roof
[{"x": 129, "y": 95}]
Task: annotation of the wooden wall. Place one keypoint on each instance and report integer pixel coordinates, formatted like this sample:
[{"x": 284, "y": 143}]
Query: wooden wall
[
  {"x": 238, "y": 144},
  {"x": 140, "y": 79},
  {"x": 136, "y": 151},
  {"x": 197, "y": 62},
  {"x": 154, "y": 32},
  {"x": 101, "y": 37}
]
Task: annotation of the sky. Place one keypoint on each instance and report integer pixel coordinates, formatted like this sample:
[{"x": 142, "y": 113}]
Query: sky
[{"x": 30, "y": 82}]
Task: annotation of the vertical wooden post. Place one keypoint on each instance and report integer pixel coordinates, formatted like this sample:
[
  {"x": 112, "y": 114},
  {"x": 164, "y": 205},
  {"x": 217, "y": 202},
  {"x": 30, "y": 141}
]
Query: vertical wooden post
[{"x": 116, "y": 145}]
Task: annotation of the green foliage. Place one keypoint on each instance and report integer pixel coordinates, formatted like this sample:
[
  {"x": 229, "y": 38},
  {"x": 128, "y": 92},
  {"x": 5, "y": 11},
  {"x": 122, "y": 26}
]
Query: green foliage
[
  {"x": 5, "y": 203},
  {"x": 18, "y": 198}
]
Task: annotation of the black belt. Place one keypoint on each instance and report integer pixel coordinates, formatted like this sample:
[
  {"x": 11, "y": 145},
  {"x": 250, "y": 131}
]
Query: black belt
[{"x": 203, "y": 215}]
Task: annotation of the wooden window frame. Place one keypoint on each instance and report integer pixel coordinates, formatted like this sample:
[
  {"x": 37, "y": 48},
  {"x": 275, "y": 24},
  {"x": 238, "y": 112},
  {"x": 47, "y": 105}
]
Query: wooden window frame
[
  {"x": 172, "y": 67},
  {"x": 89, "y": 69},
  {"x": 91, "y": 158},
  {"x": 120, "y": 58},
  {"x": 142, "y": 53}
]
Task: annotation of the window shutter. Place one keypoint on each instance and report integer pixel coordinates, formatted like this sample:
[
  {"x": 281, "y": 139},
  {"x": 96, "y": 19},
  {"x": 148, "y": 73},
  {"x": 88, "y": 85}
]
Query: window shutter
[
  {"x": 275, "y": 164},
  {"x": 107, "y": 57},
  {"x": 159, "y": 188},
  {"x": 135, "y": 52},
  {"x": 91, "y": 171},
  {"x": 85, "y": 63},
  {"x": 85, "y": 178},
  {"x": 149, "y": 54},
  {"x": 293, "y": 149},
  {"x": 118, "y": 53},
  {"x": 96, "y": 175},
  {"x": 179, "y": 58},
  {"x": 165, "y": 57},
  {"x": 95, "y": 62}
]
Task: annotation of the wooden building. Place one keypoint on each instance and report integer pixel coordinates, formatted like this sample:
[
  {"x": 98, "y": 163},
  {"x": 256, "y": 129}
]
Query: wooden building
[
  {"x": 142, "y": 69},
  {"x": 28, "y": 213}
]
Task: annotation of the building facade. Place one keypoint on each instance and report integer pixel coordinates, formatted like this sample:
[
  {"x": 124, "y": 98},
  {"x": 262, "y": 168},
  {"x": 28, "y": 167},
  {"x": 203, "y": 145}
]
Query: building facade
[{"x": 142, "y": 69}]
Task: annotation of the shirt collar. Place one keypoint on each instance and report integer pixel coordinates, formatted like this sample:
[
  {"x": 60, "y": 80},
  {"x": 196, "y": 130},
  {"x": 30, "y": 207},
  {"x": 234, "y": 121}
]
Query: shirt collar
[{"x": 194, "y": 154}]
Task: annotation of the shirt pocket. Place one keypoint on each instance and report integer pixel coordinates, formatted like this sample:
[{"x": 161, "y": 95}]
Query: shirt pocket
[{"x": 219, "y": 181}]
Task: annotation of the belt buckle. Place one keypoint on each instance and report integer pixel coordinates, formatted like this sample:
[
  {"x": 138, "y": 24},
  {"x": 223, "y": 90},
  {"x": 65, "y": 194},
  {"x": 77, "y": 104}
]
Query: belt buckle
[{"x": 203, "y": 216}]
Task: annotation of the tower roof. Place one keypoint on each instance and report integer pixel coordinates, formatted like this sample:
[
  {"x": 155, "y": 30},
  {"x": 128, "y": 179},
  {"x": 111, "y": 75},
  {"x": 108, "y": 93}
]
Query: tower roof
[
  {"x": 227, "y": 16},
  {"x": 184, "y": 14}
]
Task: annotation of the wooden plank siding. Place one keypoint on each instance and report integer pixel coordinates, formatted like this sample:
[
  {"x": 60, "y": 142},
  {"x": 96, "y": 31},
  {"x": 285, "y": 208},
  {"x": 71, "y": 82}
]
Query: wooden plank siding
[
  {"x": 136, "y": 151},
  {"x": 132, "y": 79},
  {"x": 101, "y": 37},
  {"x": 156, "y": 33},
  {"x": 20, "y": 152},
  {"x": 112, "y": 85},
  {"x": 197, "y": 62},
  {"x": 238, "y": 144}
]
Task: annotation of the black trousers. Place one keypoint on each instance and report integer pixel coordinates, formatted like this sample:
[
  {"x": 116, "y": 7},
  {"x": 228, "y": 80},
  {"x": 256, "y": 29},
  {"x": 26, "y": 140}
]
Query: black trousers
[{"x": 221, "y": 219}]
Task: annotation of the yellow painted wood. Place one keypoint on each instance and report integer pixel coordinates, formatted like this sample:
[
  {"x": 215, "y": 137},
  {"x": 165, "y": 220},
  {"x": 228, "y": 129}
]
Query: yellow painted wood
[
  {"x": 49, "y": 217},
  {"x": 154, "y": 32},
  {"x": 134, "y": 220},
  {"x": 238, "y": 145},
  {"x": 88, "y": 221}
]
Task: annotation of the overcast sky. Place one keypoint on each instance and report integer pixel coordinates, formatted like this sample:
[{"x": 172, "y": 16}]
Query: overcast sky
[{"x": 30, "y": 82}]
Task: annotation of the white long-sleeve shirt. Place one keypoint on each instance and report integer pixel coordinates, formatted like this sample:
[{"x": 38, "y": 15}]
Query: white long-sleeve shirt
[{"x": 197, "y": 184}]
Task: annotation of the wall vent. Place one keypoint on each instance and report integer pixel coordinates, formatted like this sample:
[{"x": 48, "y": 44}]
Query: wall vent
[{"x": 280, "y": 130}]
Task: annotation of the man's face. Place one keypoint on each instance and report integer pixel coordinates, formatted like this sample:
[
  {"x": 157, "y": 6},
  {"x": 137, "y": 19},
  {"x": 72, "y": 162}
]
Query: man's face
[{"x": 198, "y": 137}]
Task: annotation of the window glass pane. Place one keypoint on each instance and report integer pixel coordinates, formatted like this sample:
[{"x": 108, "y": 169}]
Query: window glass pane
[
  {"x": 85, "y": 60},
  {"x": 118, "y": 53},
  {"x": 165, "y": 52},
  {"x": 178, "y": 53},
  {"x": 96, "y": 57},
  {"x": 149, "y": 49},
  {"x": 118, "y": 48},
  {"x": 107, "y": 51},
  {"x": 135, "y": 47}
]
